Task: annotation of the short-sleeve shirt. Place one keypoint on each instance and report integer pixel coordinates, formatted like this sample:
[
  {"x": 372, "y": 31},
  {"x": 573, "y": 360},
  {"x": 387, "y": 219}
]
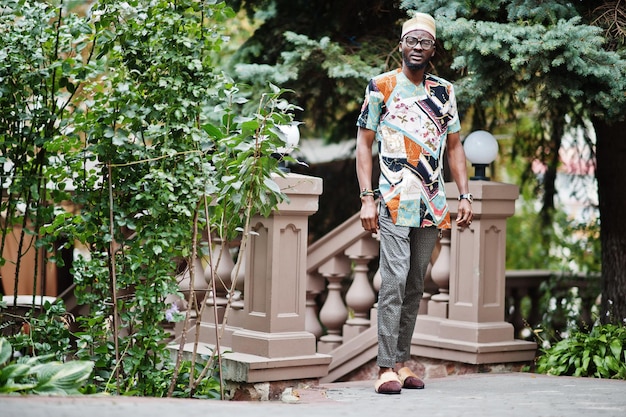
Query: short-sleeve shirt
[{"x": 412, "y": 123}]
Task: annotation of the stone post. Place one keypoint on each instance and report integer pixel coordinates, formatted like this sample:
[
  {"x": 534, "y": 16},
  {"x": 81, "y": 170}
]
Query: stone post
[
  {"x": 475, "y": 330},
  {"x": 478, "y": 253},
  {"x": 271, "y": 325}
]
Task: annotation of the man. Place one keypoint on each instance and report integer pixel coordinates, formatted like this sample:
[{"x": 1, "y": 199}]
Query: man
[{"x": 413, "y": 117}]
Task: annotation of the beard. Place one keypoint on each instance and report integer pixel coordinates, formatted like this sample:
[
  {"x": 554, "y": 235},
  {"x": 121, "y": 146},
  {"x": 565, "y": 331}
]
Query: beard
[{"x": 412, "y": 66}]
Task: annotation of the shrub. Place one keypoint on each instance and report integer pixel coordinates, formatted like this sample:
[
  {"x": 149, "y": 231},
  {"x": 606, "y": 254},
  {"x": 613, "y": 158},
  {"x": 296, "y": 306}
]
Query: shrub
[
  {"x": 154, "y": 148},
  {"x": 599, "y": 353},
  {"x": 39, "y": 375},
  {"x": 45, "y": 332}
]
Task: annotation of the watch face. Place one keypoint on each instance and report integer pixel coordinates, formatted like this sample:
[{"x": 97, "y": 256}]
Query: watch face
[{"x": 469, "y": 197}]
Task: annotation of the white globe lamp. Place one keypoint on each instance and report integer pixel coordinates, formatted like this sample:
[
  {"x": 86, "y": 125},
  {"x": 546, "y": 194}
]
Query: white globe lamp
[
  {"x": 481, "y": 149},
  {"x": 290, "y": 134}
]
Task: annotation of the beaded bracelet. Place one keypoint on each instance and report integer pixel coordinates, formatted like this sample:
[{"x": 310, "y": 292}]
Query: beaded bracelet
[{"x": 366, "y": 192}]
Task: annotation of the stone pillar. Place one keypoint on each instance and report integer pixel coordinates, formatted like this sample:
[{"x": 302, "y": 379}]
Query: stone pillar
[
  {"x": 475, "y": 330},
  {"x": 477, "y": 267},
  {"x": 272, "y": 323}
]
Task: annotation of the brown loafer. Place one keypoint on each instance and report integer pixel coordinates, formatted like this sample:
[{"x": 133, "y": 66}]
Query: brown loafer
[
  {"x": 409, "y": 380},
  {"x": 388, "y": 383}
]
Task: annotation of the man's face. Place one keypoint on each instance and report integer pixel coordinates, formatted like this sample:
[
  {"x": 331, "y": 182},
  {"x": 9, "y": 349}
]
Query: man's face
[{"x": 416, "y": 57}]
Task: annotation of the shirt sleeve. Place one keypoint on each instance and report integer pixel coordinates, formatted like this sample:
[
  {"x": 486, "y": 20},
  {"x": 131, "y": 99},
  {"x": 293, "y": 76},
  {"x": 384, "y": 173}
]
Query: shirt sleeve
[
  {"x": 454, "y": 125},
  {"x": 371, "y": 109}
]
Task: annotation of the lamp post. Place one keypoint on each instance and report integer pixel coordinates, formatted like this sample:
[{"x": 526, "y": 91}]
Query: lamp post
[{"x": 481, "y": 149}]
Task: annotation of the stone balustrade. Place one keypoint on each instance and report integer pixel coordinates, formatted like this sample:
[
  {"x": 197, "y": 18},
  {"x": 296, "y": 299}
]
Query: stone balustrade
[
  {"x": 523, "y": 292},
  {"x": 309, "y": 311}
]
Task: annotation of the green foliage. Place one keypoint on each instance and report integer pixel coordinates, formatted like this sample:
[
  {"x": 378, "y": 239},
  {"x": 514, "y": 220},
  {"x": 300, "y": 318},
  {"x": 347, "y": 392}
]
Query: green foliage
[
  {"x": 574, "y": 245},
  {"x": 569, "y": 248},
  {"x": 526, "y": 238},
  {"x": 567, "y": 302},
  {"x": 599, "y": 353},
  {"x": 325, "y": 51},
  {"x": 534, "y": 50},
  {"x": 567, "y": 299},
  {"x": 124, "y": 111},
  {"x": 330, "y": 66},
  {"x": 44, "y": 334},
  {"x": 40, "y": 375},
  {"x": 45, "y": 59},
  {"x": 161, "y": 158},
  {"x": 208, "y": 388}
]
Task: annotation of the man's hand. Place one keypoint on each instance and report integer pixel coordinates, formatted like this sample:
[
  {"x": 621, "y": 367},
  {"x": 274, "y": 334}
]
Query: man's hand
[
  {"x": 369, "y": 214},
  {"x": 465, "y": 214}
]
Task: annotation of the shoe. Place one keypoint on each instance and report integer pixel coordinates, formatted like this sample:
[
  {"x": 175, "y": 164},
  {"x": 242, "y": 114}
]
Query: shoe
[
  {"x": 409, "y": 380},
  {"x": 388, "y": 383}
]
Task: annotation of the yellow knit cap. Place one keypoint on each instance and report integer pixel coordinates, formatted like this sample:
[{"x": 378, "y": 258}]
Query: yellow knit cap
[{"x": 421, "y": 21}]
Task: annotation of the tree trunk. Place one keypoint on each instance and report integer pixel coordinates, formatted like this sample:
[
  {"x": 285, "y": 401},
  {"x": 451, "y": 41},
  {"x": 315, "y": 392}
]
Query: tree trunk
[
  {"x": 551, "y": 148},
  {"x": 611, "y": 176}
]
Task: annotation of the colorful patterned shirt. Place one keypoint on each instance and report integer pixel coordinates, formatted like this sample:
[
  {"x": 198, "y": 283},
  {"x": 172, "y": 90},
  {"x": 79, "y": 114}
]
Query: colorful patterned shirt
[{"x": 411, "y": 124}]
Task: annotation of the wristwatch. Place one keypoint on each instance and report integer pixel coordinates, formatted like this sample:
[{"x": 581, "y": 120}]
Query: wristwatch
[{"x": 469, "y": 197}]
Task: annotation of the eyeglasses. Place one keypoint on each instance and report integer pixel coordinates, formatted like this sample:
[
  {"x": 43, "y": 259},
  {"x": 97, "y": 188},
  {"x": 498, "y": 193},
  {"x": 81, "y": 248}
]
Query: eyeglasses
[{"x": 412, "y": 42}]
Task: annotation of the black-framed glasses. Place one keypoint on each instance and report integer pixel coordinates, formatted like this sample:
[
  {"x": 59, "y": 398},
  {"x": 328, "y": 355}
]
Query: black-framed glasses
[{"x": 412, "y": 42}]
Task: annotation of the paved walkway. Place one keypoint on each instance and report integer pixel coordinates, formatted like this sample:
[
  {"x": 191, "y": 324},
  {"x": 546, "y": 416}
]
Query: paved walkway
[{"x": 484, "y": 395}]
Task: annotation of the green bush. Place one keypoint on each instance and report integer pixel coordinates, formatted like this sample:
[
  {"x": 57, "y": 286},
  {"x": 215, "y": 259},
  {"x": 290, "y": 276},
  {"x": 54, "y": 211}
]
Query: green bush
[
  {"x": 599, "y": 353},
  {"x": 48, "y": 331},
  {"x": 39, "y": 375},
  {"x": 124, "y": 108}
]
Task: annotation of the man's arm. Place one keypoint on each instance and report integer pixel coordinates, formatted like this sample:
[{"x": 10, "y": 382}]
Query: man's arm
[
  {"x": 458, "y": 168},
  {"x": 364, "y": 142}
]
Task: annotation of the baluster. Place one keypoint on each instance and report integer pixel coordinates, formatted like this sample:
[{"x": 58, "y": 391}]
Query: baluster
[
  {"x": 334, "y": 313},
  {"x": 360, "y": 296},
  {"x": 200, "y": 286},
  {"x": 376, "y": 282},
  {"x": 534, "y": 294},
  {"x": 440, "y": 274},
  {"x": 315, "y": 286},
  {"x": 238, "y": 277},
  {"x": 223, "y": 265}
]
